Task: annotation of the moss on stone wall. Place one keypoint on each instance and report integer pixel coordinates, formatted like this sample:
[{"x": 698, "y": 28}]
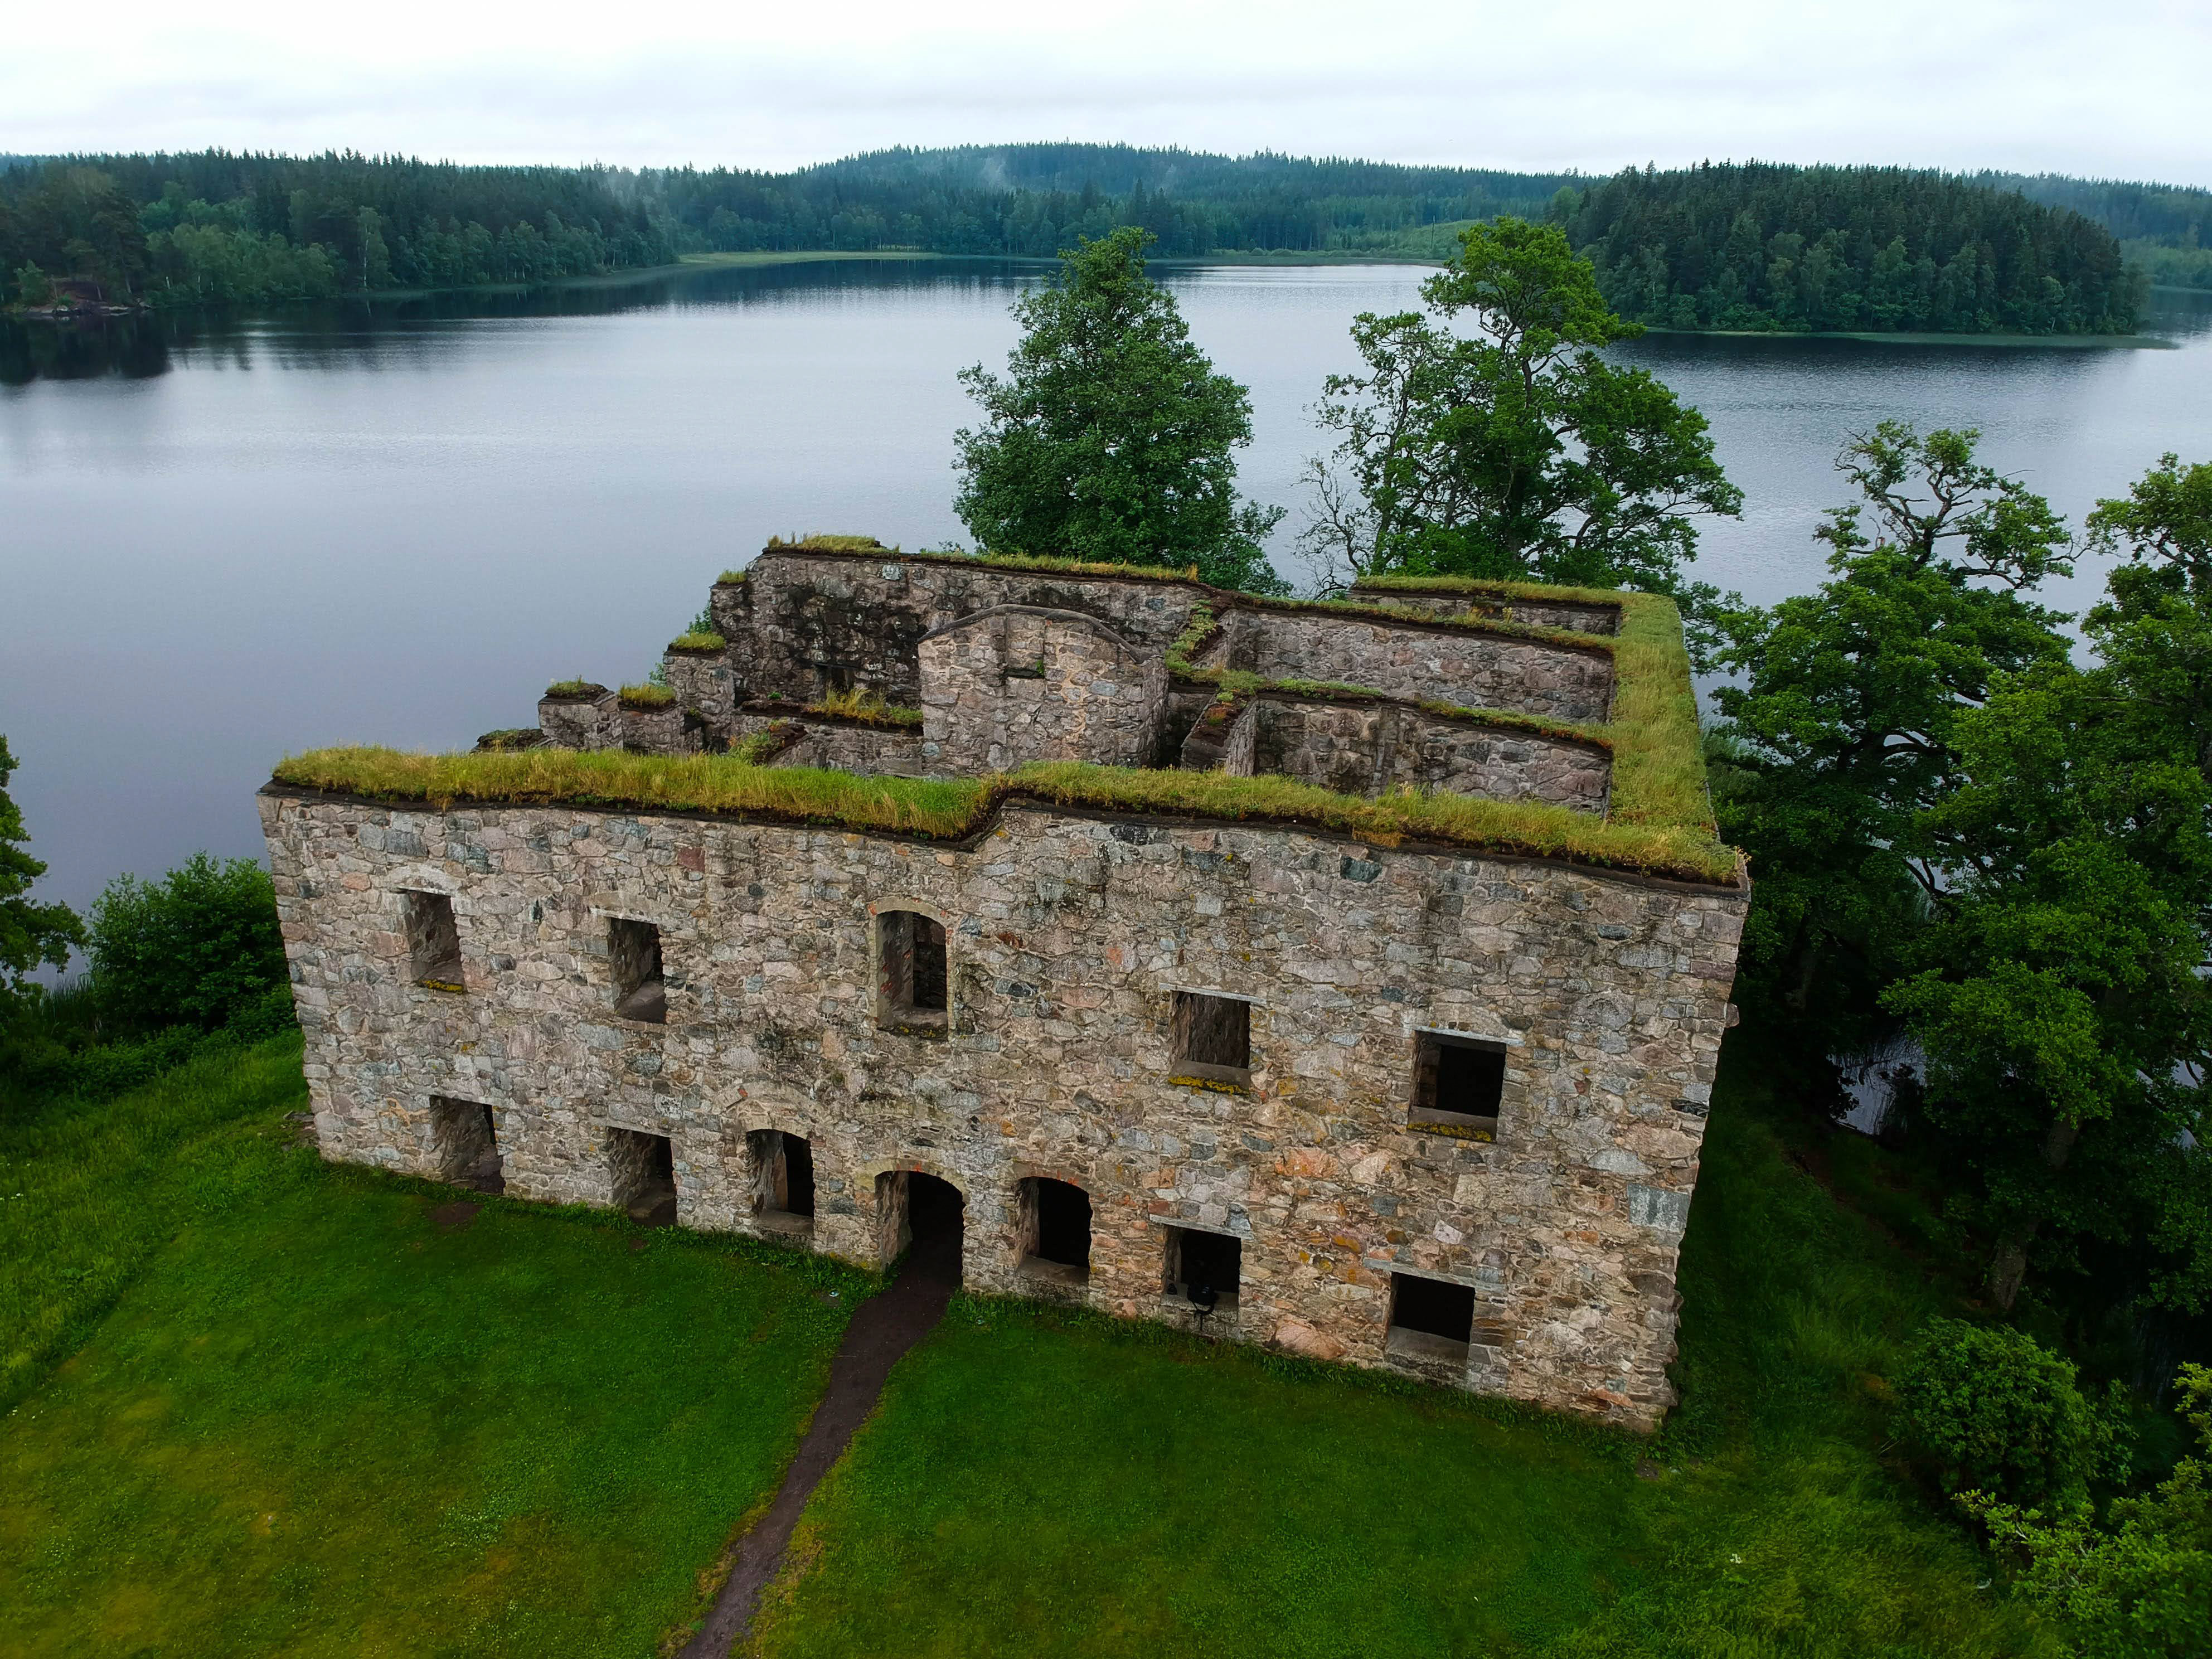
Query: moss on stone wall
[{"x": 956, "y": 809}]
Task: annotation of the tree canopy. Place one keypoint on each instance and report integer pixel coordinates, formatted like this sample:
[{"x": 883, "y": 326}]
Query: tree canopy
[
  {"x": 31, "y": 934},
  {"x": 1489, "y": 438},
  {"x": 1110, "y": 437}
]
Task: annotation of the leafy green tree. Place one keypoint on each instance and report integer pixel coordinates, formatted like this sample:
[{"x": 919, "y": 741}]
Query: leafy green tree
[
  {"x": 1110, "y": 436},
  {"x": 2139, "y": 1587},
  {"x": 32, "y": 288},
  {"x": 1990, "y": 1409},
  {"x": 31, "y": 934},
  {"x": 1840, "y": 732},
  {"x": 195, "y": 948},
  {"x": 2063, "y": 1007},
  {"x": 1513, "y": 449}
]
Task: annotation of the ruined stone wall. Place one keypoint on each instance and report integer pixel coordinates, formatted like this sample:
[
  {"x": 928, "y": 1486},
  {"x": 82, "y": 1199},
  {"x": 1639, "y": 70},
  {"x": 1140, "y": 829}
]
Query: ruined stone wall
[
  {"x": 1358, "y": 748},
  {"x": 1437, "y": 665},
  {"x": 591, "y": 722},
  {"x": 1014, "y": 684},
  {"x": 707, "y": 687},
  {"x": 1069, "y": 938},
  {"x": 872, "y": 752},
  {"x": 1537, "y": 613},
  {"x": 805, "y": 624}
]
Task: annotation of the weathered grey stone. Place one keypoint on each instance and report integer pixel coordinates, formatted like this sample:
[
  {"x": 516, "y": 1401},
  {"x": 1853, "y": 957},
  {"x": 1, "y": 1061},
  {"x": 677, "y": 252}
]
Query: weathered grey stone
[
  {"x": 1536, "y": 613},
  {"x": 1068, "y": 938},
  {"x": 590, "y": 721},
  {"x": 1365, "y": 748},
  {"x": 1014, "y": 684}
]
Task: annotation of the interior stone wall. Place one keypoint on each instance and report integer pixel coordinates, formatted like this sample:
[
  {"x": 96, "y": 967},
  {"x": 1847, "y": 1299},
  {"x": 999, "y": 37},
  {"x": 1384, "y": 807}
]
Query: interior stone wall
[
  {"x": 1069, "y": 936},
  {"x": 1015, "y": 683},
  {"x": 1364, "y": 748},
  {"x": 1421, "y": 664},
  {"x": 1537, "y": 613},
  {"x": 805, "y": 624}
]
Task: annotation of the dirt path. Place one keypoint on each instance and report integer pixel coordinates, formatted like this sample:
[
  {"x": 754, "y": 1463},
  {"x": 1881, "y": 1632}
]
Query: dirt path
[{"x": 885, "y": 1327}]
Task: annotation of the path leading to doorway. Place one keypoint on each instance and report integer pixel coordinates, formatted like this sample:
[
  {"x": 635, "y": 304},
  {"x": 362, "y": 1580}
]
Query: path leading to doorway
[{"x": 885, "y": 1326}]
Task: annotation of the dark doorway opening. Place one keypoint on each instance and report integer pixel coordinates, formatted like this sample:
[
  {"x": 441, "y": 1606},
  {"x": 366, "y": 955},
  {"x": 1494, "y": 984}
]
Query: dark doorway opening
[
  {"x": 643, "y": 1168},
  {"x": 1054, "y": 1220},
  {"x": 783, "y": 1180},
  {"x": 1430, "y": 1318},
  {"x": 464, "y": 1140},
  {"x": 923, "y": 1219},
  {"x": 1203, "y": 1269}
]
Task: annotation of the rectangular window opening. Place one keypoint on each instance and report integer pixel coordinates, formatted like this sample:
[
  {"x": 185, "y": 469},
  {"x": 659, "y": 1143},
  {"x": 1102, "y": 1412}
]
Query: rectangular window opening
[
  {"x": 433, "y": 942},
  {"x": 1430, "y": 1318},
  {"x": 914, "y": 972},
  {"x": 641, "y": 1168},
  {"x": 1054, "y": 1222},
  {"x": 1204, "y": 1268},
  {"x": 783, "y": 1180},
  {"x": 464, "y": 1141},
  {"x": 1212, "y": 1038},
  {"x": 634, "y": 961},
  {"x": 1458, "y": 1083}
]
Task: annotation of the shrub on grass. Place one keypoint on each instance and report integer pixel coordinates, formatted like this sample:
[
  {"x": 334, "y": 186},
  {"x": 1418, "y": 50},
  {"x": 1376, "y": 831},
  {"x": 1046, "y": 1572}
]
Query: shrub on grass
[
  {"x": 1988, "y": 1409},
  {"x": 194, "y": 949}
]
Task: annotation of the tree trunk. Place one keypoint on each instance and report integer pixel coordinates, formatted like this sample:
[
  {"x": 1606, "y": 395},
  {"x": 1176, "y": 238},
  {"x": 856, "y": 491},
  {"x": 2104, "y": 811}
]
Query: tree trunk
[{"x": 2008, "y": 1265}]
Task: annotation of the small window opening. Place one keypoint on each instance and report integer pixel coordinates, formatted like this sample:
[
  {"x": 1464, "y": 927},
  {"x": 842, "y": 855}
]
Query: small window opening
[
  {"x": 783, "y": 1180},
  {"x": 1212, "y": 1038},
  {"x": 1204, "y": 1268},
  {"x": 914, "y": 972},
  {"x": 1055, "y": 1221},
  {"x": 1430, "y": 1319},
  {"x": 1457, "y": 1083},
  {"x": 643, "y": 1170},
  {"x": 634, "y": 960},
  {"x": 464, "y": 1140},
  {"x": 433, "y": 943}
]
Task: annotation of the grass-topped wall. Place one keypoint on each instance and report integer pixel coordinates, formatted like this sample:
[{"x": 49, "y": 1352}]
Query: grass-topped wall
[
  {"x": 1658, "y": 820},
  {"x": 954, "y": 810}
]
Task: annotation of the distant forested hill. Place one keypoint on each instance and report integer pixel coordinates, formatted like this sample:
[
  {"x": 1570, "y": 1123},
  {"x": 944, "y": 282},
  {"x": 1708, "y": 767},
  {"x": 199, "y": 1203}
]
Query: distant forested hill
[
  {"x": 216, "y": 227},
  {"x": 2165, "y": 230},
  {"x": 1035, "y": 199},
  {"x": 1759, "y": 247},
  {"x": 1872, "y": 248}
]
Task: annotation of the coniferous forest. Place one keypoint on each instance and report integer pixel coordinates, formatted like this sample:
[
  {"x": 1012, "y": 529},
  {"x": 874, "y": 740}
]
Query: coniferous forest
[{"x": 1754, "y": 246}]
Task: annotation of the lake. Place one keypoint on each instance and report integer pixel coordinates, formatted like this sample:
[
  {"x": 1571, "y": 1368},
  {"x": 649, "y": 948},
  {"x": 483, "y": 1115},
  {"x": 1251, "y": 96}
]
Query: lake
[{"x": 222, "y": 543}]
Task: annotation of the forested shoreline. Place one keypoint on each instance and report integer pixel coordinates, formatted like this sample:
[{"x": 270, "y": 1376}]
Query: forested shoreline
[{"x": 1717, "y": 246}]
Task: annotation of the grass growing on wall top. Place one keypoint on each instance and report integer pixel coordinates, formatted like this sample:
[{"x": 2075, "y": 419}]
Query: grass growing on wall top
[
  {"x": 698, "y": 641},
  {"x": 952, "y": 809}
]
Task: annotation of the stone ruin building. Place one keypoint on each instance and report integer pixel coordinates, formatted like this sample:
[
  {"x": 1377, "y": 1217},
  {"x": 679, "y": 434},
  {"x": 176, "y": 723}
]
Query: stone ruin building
[{"x": 1429, "y": 1104}]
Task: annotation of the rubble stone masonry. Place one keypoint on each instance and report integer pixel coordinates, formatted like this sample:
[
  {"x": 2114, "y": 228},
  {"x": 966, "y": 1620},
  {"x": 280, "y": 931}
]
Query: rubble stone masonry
[{"x": 1068, "y": 938}]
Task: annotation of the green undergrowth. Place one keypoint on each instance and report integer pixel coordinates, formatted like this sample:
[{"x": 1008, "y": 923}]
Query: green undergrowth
[
  {"x": 1039, "y": 1482},
  {"x": 869, "y": 707},
  {"x": 698, "y": 642},
  {"x": 575, "y": 689},
  {"x": 646, "y": 696},
  {"x": 321, "y": 1421},
  {"x": 954, "y": 809}
]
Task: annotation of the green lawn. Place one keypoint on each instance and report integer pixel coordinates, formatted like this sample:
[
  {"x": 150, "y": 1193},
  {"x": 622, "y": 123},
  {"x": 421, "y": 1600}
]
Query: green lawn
[
  {"x": 1043, "y": 1484},
  {"x": 300, "y": 1417},
  {"x": 319, "y": 1423}
]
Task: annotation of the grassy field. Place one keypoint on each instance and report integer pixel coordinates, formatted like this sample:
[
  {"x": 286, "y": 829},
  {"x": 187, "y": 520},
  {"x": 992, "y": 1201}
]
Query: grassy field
[
  {"x": 1039, "y": 1483},
  {"x": 321, "y": 1422},
  {"x": 313, "y": 1420}
]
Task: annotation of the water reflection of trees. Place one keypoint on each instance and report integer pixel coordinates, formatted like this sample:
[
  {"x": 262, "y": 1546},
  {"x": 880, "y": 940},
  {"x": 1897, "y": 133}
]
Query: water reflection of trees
[{"x": 356, "y": 333}]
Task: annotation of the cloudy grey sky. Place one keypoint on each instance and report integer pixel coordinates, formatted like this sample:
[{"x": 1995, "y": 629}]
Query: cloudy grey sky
[{"x": 2117, "y": 88}]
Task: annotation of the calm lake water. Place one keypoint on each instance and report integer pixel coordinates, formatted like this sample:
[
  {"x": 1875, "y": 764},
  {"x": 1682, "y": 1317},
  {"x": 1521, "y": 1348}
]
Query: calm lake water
[{"x": 222, "y": 544}]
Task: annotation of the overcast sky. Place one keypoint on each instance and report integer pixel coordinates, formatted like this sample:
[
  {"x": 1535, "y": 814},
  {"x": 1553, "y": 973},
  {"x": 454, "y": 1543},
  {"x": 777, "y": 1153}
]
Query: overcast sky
[{"x": 2117, "y": 88}]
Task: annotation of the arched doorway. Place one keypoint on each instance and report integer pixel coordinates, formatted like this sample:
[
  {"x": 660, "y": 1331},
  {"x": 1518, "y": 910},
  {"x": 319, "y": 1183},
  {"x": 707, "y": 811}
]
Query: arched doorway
[{"x": 922, "y": 1219}]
